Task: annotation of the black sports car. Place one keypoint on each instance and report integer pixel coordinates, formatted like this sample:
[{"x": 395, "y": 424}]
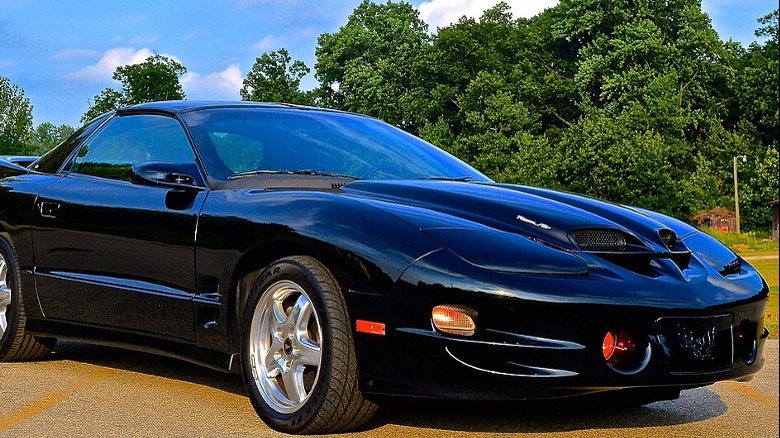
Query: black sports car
[{"x": 331, "y": 258}]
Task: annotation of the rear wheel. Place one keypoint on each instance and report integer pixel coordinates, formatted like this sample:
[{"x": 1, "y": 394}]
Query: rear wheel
[
  {"x": 14, "y": 343},
  {"x": 299, "y": 360}
]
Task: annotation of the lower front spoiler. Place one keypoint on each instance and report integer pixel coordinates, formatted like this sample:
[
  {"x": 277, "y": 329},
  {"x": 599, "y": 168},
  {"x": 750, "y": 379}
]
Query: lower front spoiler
[{"x": 530, "y": 368}]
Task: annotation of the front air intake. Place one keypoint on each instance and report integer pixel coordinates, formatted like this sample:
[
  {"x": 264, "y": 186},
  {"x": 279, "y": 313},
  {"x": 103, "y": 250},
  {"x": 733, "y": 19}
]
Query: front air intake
[{"x": 600, "y": 240}]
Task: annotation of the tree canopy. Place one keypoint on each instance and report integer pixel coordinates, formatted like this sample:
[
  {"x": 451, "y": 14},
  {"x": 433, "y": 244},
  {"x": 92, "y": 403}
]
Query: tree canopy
[
  {"x": 16, "y": 119},
  {"x": 371, "y": 64},
  {"x": 157, "y": 78},
  {"x": 636, "y": 102},
  {"x": 47, "y": 135},
  {"x": 274, "y": 79}
]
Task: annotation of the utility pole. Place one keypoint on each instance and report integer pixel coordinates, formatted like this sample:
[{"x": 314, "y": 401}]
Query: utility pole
[{"x": 736, "y": 189}]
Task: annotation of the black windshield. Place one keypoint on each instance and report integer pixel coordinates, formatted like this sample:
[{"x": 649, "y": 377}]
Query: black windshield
[{"x": 247, "y": 141}]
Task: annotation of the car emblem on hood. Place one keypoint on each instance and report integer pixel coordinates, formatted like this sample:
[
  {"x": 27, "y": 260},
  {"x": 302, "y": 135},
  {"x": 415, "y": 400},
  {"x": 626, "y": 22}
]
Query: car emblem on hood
[{"x": 534, "y": 223}]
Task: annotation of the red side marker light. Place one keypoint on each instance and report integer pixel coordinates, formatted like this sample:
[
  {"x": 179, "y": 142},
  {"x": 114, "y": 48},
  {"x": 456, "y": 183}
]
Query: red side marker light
[{"x": 370, "y": 327}]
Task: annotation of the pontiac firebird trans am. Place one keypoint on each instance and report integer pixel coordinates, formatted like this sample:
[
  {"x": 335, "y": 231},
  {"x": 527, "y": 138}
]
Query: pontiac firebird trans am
[{"x": 331, "y": 258}]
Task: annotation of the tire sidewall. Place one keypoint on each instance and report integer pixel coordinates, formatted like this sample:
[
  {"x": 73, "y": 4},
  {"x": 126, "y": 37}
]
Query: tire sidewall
[
  {"x": 12, "y": 312},
  {"x": 299, "y": 420}
]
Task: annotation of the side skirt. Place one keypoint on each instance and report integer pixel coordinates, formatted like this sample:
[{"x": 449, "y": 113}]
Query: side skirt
[{"x": 169, "y": 347}]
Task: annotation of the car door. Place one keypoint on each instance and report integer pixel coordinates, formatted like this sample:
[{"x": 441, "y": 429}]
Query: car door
[{"x": 115, "y": 252}]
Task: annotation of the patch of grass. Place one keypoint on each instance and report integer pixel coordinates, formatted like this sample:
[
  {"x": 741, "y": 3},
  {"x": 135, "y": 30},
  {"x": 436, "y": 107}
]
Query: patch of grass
[{"x": 746, "y": 244}]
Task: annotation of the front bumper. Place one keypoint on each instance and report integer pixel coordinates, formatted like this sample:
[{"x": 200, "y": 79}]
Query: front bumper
[{"x": 541, "y": 338}]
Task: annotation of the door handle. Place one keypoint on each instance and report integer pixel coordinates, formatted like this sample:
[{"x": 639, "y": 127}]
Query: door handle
[{"x": 49, "y": 209}]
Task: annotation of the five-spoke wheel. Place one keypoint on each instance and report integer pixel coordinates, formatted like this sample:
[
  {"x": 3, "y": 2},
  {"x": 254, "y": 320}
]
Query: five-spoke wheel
[
  {"x": 285, "y": 346},
  {"x": 299, "y": 361}
]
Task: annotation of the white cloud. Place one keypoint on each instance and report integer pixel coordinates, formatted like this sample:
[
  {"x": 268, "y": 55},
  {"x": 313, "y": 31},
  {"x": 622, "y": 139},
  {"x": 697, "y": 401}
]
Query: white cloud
[
  {"x": 442, "y": 13},
  {"x": 144, "y": 40},
  {"x": 268, "y": 43},
  {"x": 76, "y": 54},
  {"x": 221, "y": 85},
  {"x": 110, "y": 60},
  {"x": 197, "y": 33}
]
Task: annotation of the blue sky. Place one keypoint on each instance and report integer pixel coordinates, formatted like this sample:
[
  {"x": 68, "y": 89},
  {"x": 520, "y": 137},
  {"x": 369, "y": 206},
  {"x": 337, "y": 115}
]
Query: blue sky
[{"x": 62, "y": 53}]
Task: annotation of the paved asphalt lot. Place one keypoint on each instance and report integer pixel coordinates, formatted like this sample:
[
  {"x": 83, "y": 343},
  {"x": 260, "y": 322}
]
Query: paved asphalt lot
[{"x": 96, "y": 391}]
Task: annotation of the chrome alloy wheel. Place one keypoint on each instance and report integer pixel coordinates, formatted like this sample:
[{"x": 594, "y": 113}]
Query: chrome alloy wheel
[
  {"x": 5, "y": 295},
  {"x": 285, "y": 346}
]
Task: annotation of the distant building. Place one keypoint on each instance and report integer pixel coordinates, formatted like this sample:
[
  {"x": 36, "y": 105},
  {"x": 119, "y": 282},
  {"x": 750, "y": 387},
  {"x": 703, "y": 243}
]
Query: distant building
[
  {"x": 718, "y": 218},
  {"x": 775, "y": 218}
]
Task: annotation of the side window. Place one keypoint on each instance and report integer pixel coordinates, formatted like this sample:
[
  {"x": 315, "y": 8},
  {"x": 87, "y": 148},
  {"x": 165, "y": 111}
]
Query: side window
[
  {"x": 127, "y": 140},
  {"x": 53, "y": 160}
]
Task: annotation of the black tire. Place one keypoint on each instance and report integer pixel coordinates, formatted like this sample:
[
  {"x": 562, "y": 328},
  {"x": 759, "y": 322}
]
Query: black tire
[
  {"x": 334, "y": 402},
  {"x": 15, "y": 345}
]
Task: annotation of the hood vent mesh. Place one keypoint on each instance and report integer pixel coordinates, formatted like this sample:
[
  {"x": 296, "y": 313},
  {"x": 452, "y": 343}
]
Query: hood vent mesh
[{"x": 600, "y": 240}]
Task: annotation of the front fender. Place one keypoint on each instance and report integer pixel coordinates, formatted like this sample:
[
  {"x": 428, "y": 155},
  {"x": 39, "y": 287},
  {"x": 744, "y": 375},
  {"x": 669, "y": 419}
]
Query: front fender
[{"x": 241, "y": 232}]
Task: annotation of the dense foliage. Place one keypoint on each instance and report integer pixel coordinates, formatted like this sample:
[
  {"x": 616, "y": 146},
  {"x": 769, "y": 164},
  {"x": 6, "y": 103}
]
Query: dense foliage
[
  {"x": 372, "y": 64},
  {"x": 274, "y": 79},
  {"x": 17, "y": 136},
  {"x": 157, "y": 78},
  {"x": 637, "y": 102},
  {"x": 16, "y": 119}
]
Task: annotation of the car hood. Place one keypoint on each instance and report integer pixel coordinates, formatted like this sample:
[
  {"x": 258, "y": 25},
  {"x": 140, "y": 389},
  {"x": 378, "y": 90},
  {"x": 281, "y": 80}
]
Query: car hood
[{"x": 540, "y": 214}]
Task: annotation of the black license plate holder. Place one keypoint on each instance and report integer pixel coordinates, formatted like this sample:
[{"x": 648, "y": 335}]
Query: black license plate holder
[{"x": 696, "y": 344}]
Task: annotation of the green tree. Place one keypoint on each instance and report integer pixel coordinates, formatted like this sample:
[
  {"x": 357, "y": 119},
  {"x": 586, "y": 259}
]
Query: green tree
[
  {"x": 755, "y": 82},
  {"x": 108, "y": 99},
  {"x": 16, "y": 119},
  {"x": 616, "y": 158},
  {"x": 481, "y": 107},
  {"x": 493, "y": 126},
  {"x": 371, "y": 64},
  {"x": 752, "y": 126},
  {"x": 637, "y": 102},
  {"x": 461, "y": 53},
  {"x": 274, "y": 78},
  {"x": 758, "y": 184},
  {"x": 648, "y": 89},
  {"x": 630, "y": 52},
  {"x": 157, "y": 78},
  {"x": 47, "y": 135}
]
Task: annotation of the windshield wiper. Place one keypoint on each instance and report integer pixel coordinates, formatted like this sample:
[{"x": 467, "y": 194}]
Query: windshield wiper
[{"x": 290, "y": 172}]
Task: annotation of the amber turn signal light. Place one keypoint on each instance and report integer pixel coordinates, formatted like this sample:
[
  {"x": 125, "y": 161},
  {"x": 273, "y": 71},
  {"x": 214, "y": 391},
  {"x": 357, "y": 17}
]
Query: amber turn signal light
[{"x": 454, "y": 319}]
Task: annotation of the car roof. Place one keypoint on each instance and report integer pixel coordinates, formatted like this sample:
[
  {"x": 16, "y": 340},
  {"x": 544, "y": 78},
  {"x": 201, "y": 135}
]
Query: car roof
[{"x": 181, "y": 106}]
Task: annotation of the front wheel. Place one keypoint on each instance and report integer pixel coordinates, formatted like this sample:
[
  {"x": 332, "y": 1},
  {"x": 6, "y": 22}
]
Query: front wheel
[
  {"x": 15, "y": 344},
  {"x": 299, "y": 361}
]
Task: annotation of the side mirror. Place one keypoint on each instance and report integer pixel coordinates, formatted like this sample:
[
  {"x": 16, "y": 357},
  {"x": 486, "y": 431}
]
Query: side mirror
[
  {"x": 173, "y": 175},
  {"x": 9, "y": 166}
]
